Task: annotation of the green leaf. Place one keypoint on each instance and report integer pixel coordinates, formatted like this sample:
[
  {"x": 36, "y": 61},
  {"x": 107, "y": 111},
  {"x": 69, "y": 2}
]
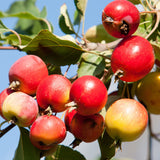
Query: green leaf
[
  {"x": 135, "y": 1},
  {"x": 65, "y": 153},
  {"x": 91, "y": 64},
  {"x": 52, "y": 49},
  {"x": 64, "y": 21},
  {"x": 25, "y": 150},
  {"x": 77, "y": 18},
  {"x": 106, "y": 146},
  {"x": 3, "y": 29},
  {"x": 81, "y": 6},
  {"x": 27, "y": 12}
]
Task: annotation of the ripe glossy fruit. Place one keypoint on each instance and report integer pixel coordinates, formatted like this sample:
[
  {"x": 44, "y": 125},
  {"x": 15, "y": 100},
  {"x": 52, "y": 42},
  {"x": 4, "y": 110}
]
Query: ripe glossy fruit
[
  {"x": 3, "y": 96},
  {"x": 26, "y": 73},
  {"x": 89, "y": 93},
  {"x": 47, "y": 131},
  {"x": 87, "y": 128},
  {"x": 68, "y": 117},
  {"x": 148, "y": 92},
  {"x": 54, "y": 91},
  {"x": 126, "y": 120},
  {"x": 132, "y": 59},
  {"x": 20, "y": 108},
  {"x": 120, "y": 18}
]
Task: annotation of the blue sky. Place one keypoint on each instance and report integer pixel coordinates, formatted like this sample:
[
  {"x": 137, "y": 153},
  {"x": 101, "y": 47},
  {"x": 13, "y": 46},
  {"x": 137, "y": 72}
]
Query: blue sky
[{"x": 9, "y": 142}]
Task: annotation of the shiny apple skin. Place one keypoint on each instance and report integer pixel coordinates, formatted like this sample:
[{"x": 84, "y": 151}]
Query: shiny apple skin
[
  {"x": 69, "y": 114},
  {"x": 47, "y": 131},
  {"x": 87, "y": 128},
  {"x": 134, "y": 56},
  {"x": 126, "y": 119},
  {"x": 89, "y": 93},
  {"x": 148, "y": 92},
  {"x": 54, "y": 91},
  {"x": 29, "y": 70},
  {"x": 119, "y": 11},
  {"x": 20, "y": 108}
]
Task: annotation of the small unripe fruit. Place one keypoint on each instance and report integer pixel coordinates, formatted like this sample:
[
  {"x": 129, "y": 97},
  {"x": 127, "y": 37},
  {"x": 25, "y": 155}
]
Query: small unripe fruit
[
  {"x": 89, "y": 93},
  {"x": 26, "y": 73},
  {"x": 148, "y": 92},
  {"x": 47, "y": 131},
  {"x": 20, "y": 108}
]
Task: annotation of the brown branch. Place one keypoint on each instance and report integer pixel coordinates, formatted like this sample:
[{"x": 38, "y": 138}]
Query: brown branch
[
  {"x": 5, "y": 130},
  {"x": 8, "y": 48}
]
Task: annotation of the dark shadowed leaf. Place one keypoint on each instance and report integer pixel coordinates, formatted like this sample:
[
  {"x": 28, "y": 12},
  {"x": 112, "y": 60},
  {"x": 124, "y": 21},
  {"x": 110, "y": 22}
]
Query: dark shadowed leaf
[
  {"x": 77, "y": 18},
  {"x": 65, "y": 153},
  {"x": 25, "y": 150},
  {"x": 53, "y": 49}
]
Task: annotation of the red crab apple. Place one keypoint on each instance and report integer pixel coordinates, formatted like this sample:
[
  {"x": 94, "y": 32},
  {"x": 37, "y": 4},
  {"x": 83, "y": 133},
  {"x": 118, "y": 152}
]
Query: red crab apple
[
  {"x": 47, "y": 131},
  {"x": 87, "y": 128},
  {"x": 3, "y": 95},
  {"x": 68, "y": 117},
  {"x": 54, "y": 91},
  {"x": 132, "y": 59},
  {"x": 89, "y": 93},
  {"x": 20, "y": 108},
  {"x": 120, "y": 18},
  {"x": 148, "y": 92},
  {"x": 26, "y": 73},
  {"x": 126, "y": 120}
]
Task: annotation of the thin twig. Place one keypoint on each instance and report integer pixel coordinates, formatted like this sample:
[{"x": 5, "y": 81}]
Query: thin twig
[
  {"x": 8, "y": 128},
  {"x": 8, "y": 48}
]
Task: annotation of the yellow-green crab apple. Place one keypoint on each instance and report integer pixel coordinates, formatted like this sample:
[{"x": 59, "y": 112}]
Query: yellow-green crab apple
[
  {"x": 26, "y": 73},
  {"x": 20, "y": 108},
  {"x": 126, "y": 119},
  {"x": 47, "y": 131},
  {"x": 3, "y": 95}
]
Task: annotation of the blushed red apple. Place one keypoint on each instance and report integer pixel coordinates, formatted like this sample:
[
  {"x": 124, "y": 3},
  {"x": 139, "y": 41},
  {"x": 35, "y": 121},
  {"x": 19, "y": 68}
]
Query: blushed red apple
[
  {"x": 26, "y": 73},
  {"x": 20, "y": 108},
  {"x": 47, "y": 131},
  {"x": 54, "y": 91},
  {"x": 89, "y": 93},
  {"x": 87, "y": 128}
]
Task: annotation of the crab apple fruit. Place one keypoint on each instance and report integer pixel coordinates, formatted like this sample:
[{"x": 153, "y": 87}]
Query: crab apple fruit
[
  {"x": 69, "y": 114},
  {"x": 132, "y": 59},
  {"x": 47, "y": 131},
  {"x": 54, "y": 91},
  {"x": 20, "y": 108},
  {"x": 120, "y": 18},
  {"x": 3, "y": 95},
  {"x": 126, "y": 120},
  {"x": 26, "y": 73},
  {"x": 89, "y": 93},
  {"x": 148, "y": 92},
  {"x": 87, "y": 128}
]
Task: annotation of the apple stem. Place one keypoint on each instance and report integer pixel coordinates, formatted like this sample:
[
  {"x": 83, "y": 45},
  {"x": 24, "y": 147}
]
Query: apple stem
[
  {"x": 71, "y": 104},
  {"x": 75, "y": 142},
  {"x": 14, "y": 85}
]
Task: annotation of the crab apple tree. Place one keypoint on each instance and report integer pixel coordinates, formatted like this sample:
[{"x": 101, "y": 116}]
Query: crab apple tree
[{"x": 92, "y": 77}]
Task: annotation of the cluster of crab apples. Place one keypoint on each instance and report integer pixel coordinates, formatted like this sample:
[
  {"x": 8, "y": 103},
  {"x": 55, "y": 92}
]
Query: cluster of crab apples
[{"x": 33, "y": 95}]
